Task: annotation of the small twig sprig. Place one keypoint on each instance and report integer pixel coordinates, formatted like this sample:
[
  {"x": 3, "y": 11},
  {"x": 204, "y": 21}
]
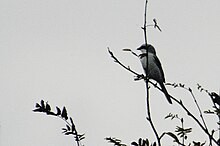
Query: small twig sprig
[
  {"x": 181, "y": 131},
  {"x": 143, "y": 142},
  {"x": 216, "y": 105},
  {"x": 183, "y": 86},
  {"x": 115, "y": 141},
  {"x": 180, "y": 102},
  {"x": 70, "y": 129},
  {"x": 155, "y": 25},
  {"x": 137, "y": 75},
  {"x": 214, "y": 97}
]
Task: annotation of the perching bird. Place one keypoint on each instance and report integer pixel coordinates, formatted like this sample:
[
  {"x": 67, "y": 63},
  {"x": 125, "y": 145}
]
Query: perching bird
[{"x": 155, "y": 70}]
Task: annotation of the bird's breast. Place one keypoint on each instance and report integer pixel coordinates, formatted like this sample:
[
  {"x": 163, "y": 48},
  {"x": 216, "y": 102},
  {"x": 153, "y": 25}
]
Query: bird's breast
[{"x": 154, "y": 72}]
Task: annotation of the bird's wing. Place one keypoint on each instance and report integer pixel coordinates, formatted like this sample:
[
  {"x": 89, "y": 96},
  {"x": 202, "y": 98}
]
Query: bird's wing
[{"x": 157, "y": 61}]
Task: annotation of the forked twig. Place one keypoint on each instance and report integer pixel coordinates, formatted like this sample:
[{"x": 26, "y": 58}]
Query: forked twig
[{"x": 138, "y": 76}]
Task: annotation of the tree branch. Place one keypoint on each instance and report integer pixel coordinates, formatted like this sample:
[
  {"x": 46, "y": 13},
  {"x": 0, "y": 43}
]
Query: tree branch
[{"x": 138, "y": 76}]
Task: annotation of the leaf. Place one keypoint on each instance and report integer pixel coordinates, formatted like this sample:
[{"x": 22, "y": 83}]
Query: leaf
[
  {"x": 42, "y": 104},
  {"x": 64, "y": 130},
  {"x": 199, "y": 86},
  {"x": 58, "y": 111},
  {"x": 126, "y": 49},
  {"x": 37, "y": 105},
  {"x": 190, "y": 90},
  {"x": 73, "y": 125},
  {"x": 139, "y": 141},
  {"x": 64, "y": 114},
  {"x": 168, "y": 116},
  {"x": 82, "y": 138},
  {"x": 48, "y": 108},
  {"x": 68, "y": 127},
  {"x": 71, "y": 120},
  {"x": 68, "y": 133},
  {"x": 173, "y": 136},
  {"x": 81, "y": 135},
  {"x": 134, "y": 143},
  {"x": 172, "y": 116},
  {"x": 182, "y": 132},
  {"x": 38, "y": 110},
  {"x": 147, "y": 142},
  {"x": 209, "y": 112},
  {"x": 198, "y": 143},
  {"x": 215, "y": 98},
  {"x": 181, "y": 85}
]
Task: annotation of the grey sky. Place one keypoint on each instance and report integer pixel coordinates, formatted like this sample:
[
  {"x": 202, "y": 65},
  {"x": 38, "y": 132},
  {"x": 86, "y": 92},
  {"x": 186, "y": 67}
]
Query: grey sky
[{"x": 57, "y": 51}]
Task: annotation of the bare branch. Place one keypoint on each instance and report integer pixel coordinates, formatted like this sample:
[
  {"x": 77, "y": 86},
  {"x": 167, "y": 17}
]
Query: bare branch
[{"x": 138, "y": 76}]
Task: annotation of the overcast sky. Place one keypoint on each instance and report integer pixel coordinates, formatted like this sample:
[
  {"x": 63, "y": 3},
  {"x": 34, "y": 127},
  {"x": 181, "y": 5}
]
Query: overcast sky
[{"x": 56, "y": 50}]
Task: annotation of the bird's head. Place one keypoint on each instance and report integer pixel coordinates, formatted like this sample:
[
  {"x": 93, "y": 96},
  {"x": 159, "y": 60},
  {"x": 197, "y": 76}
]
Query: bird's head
[{"x": 149, "y": 47}]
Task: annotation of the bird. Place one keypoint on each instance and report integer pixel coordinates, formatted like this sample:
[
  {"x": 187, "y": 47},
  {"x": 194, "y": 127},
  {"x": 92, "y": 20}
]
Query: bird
[{"x": 155, "y": 70}]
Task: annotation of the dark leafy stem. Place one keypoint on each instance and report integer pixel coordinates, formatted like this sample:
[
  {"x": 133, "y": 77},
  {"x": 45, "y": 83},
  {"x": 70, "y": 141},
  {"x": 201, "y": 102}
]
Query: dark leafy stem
[
  {"x": 180, "y": 85},
  {"x": 203, "y": 127},
  {"x": 115, "y": 141},
  {"x": 143, "y": 142},
  {"x": 216, "y": 105},
  {"x": 70, "y": 128},
  {"x": 181, "y": 131},
  {"x": 179, "y": 102}
]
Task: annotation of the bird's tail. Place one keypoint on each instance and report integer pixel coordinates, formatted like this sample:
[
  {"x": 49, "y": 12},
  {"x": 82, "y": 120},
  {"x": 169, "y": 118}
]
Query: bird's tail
[{"x": 166, "y": 93}]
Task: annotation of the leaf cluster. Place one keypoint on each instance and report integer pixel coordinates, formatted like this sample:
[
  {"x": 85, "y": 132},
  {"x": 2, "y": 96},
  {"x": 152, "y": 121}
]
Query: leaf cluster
[
  {"x": 70, "y": 128},
  {"x": 143, "y": 142},
  {"x": 183, "y": 131},
  {"x": 115, "y": 141}
]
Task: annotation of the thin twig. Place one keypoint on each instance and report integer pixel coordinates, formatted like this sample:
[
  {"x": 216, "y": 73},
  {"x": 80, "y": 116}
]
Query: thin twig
[
  {"x": 215, "y": 104},
  {"x": 147, "y": 79},
  {"x": 139, "y": 76},
  {"x": 194, "y": 118},
  {"x": 210, "y": 136},
  {"x": 77, "y": 139},
  {"x": 181, "y": 120},
  {"x": 194, "y": 98},
  {"x": 145, "y": 23},
  {"x": 149, "y": 116},
  {"x": 200, "y": 112}
]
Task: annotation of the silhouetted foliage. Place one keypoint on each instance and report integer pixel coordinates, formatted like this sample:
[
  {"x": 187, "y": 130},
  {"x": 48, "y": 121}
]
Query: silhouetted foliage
[
  {"x": 143, "y": 142},
  {"x": 115, "y": 141},
  {"x": 70, "y": 128}
]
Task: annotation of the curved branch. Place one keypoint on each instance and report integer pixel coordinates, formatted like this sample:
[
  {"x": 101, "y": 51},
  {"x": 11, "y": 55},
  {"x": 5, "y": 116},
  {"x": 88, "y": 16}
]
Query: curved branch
[
  {"x": 139, "y": 76},
  {"x": 195, "y": 119},
  {"x": 200, "y": 112}
]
